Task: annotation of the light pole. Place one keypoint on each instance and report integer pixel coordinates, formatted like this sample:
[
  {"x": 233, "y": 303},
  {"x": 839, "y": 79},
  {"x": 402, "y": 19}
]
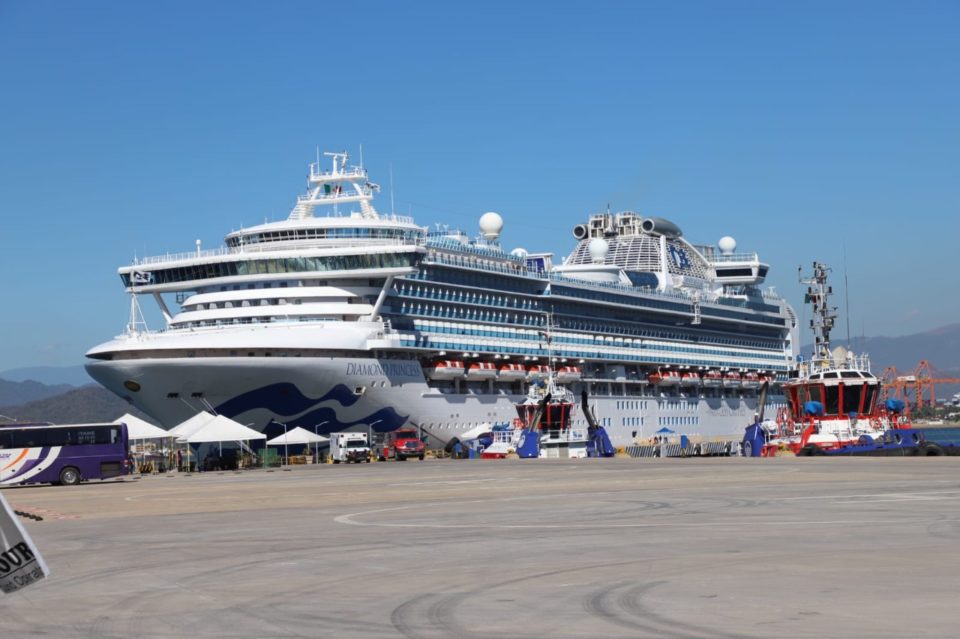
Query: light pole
[
  {"x": 315, "y": 446},
  {"x": 284, "y": 443},
  {"x": 370, "y": 433}
]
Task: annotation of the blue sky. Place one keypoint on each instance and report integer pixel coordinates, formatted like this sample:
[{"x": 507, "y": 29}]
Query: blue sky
[{"x": 806, "y": 130}]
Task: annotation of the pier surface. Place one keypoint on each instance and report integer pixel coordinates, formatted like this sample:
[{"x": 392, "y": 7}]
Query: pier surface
[{"x": 551, "y": 548}]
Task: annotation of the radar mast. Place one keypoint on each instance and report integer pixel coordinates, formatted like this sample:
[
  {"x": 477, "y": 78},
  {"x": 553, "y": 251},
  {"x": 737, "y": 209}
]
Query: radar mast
[{"x": 824, "y": 315}]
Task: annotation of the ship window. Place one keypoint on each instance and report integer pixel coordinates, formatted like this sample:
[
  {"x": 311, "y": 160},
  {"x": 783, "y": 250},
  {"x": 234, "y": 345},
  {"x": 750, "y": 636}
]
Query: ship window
[
  {"x": 851, "y": 398},
  {"x": 173, "y": 395},
  {"x": 871, "y": 397},
  {"x": 832, "y": 404}
]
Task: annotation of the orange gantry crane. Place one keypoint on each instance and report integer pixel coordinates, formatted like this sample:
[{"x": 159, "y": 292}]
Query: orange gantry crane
[{"x": 921, "y": 383}]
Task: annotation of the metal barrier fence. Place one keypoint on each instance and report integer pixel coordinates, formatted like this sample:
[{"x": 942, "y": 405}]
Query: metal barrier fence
[{"x": 704, "y": 449}]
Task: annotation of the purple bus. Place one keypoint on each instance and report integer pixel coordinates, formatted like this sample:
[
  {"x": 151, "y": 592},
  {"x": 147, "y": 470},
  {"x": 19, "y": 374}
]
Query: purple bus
[{"x": 62, "y": 453}]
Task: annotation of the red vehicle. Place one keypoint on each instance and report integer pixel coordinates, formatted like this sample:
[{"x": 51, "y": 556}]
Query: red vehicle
[{"x": 401, "y": 444}]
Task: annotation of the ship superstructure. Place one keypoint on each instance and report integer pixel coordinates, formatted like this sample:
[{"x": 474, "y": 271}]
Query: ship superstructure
[
  {"x": 359, "y": 320},
  {"x": 832, "y": 396}
]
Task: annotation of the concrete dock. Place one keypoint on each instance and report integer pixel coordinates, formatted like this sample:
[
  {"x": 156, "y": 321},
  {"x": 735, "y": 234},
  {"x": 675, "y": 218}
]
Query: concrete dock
[{"x": 781, "y": 547}]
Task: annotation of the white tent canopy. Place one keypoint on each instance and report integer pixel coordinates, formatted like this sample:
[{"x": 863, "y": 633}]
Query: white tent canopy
[
  {"x": 192, "y": 425},
  {"x": 220, "y": 429},
  {"x": 140, "y": 429},
  {"x": 297, "y": 436}
]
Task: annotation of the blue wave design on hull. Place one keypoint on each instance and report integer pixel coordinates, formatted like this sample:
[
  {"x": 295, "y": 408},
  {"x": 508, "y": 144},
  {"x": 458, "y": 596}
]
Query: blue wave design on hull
[
  {"x": 285, "y": 400},
  {"x": 387, "y": 419}
]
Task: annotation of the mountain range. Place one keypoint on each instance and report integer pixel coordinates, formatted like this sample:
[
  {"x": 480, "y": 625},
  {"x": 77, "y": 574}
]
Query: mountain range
[
  {"x": 50, "y": 375},
  {"x": 939, "y": 347},
  {"x": 79, "y": 405}
]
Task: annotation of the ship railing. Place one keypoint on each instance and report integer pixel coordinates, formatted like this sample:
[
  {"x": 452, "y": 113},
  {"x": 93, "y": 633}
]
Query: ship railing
[
  {"x": 455, "y": 260},
  {"x": 273, "y": 247},
  {"x": 333, "y": 198},
  {"x": 505, "y": 436},
  {"x": 454, "y": 245},
  {"x": 825, "y": 365},
  {"x": 736, "y": 257},
  {"x": 351, "y": 173}
]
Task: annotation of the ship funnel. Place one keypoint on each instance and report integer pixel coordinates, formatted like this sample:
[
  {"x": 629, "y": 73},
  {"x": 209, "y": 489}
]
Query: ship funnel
[
  {"x": 580, "y": 231},
  {"x": 661, "y": 226}
]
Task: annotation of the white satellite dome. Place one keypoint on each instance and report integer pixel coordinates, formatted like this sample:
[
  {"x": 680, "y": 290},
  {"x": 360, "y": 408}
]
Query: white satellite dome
[
  {"x": 490, "y": 225},
  {"x": 727, "y": 245},
  {"x": 519, "y": 252},
  {"x": 598, "y": 248}
]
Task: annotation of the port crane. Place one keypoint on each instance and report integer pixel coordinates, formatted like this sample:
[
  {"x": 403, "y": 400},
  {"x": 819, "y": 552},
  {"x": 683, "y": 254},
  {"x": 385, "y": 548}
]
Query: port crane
[{"x": 921, "y": 384}]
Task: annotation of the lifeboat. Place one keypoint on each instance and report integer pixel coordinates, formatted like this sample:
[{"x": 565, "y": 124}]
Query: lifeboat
[
  {"x": 713, "y": 379},
  {"x": 512, "y": 373},
  {"x": 690, "y": 379},
  {"x": 664, "y": 378},
  {"x": 537, "y": 372},
  {"x": 731, "y": 380},
  {"x": 481, "y": 370},
  {"x": 447, "y": 369},
  {"x": 751, "y": 380},
  {"x": 568, "y": 374}
]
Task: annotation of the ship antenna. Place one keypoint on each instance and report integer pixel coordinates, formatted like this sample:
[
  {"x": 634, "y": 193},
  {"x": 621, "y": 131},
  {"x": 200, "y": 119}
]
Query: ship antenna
[
  {"x": 392, "y": 209},
  {"x": 361, "y": 156},
  {"x": 846, "y": 293}
]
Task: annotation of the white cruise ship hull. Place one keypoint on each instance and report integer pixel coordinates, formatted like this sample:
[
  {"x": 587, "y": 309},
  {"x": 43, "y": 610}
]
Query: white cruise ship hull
[{"x": 328, "y": 395}]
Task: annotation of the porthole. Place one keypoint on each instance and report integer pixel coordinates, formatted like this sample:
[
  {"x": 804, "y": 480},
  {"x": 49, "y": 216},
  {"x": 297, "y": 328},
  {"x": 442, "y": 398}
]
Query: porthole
[{"x": 132, "y": 386}]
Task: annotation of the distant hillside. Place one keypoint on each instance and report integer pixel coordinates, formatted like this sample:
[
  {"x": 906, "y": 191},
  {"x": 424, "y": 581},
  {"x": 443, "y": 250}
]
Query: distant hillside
[
  {"x": 88, "y": 404},
  {"x": 17, "y": 393},
  {"x": 940, "y": 347},
  {"x": 50, "y": 375}
]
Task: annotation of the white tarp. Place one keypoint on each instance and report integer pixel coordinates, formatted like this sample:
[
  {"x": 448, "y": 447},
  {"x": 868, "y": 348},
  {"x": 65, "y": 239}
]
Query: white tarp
[
  {"x": 221, "y": 429},
  {"x": 192, "y": 425},
  {"x": 20, "y": 561},
  {"x": 297, "y": 436},
  {"x": 140, "y": 429}
]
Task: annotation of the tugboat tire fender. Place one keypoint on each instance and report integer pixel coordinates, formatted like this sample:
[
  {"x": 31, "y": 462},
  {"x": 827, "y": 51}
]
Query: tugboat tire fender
[{"x": 930, "y": 450}]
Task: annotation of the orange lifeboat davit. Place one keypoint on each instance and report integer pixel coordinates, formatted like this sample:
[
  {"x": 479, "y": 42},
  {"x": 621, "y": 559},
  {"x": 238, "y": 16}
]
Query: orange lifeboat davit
[
  {"x": 512, "y": 373},
  {"x": 446, "y": 369},
  {"x": 664, "y": 378},
  {"x": 537, "y": 372},
  {"x": 690, "y": 379},
  {"x": 713, "y": 379},
  {"x": 732, "y": 380},
  {"x": 751, "y": 380},
  {"x": 481, "y": 370},
  {"x": 569, "y": 374}
]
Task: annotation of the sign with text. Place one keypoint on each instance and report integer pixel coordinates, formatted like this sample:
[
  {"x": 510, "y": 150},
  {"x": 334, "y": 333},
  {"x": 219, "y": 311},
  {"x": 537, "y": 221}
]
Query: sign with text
[{"x": 20, "y": 562}]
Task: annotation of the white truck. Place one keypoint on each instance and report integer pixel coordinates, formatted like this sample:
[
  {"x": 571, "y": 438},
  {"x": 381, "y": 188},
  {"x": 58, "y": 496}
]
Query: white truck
[{"x": 349, "y": 447}]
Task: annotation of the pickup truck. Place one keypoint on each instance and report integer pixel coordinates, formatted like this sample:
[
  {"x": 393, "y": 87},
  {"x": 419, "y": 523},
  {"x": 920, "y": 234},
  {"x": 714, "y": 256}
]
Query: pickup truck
[{"x": 401, "y": 444}]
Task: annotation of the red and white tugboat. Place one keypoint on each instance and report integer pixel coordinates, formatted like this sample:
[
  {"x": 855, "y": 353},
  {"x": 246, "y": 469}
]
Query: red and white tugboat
[{"x": 833, "y": 399}]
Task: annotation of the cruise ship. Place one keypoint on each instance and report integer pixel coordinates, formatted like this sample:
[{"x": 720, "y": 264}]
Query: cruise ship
[{"x": 342, "y": 318}]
